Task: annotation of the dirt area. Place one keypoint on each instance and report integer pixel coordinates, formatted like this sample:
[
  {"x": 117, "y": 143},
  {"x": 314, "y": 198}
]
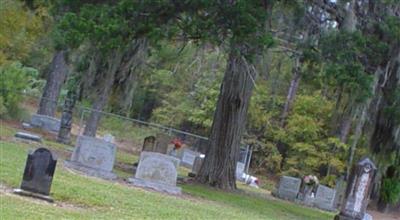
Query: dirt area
[{"x": 380, "y": 216}]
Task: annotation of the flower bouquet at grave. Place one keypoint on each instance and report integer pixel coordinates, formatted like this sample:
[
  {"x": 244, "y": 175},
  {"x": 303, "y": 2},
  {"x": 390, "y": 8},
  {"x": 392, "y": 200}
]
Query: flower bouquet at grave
[{"x": 310, "y": 183}]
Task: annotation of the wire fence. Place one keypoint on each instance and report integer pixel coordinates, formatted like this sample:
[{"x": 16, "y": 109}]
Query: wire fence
[{"x": 128, "y": 132}]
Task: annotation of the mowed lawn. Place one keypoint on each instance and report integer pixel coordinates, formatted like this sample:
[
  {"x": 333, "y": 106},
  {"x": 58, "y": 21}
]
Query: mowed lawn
[{"x": 81, "y": 197}]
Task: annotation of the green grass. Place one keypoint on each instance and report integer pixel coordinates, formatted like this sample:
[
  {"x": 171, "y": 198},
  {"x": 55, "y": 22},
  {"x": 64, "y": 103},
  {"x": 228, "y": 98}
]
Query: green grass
[{"x": 80, "y": 197}]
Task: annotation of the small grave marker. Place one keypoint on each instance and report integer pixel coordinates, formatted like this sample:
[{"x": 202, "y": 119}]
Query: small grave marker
[{"x": 38, "y": 174}]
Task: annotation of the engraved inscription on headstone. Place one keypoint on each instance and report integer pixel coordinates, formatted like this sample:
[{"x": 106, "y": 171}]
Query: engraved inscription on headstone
[
  {"x": 38, "y": 174},
  {"x": 157, "y": 171},
  {"x": 358, "y": 191},
  {"x": 289, "y": 187},
  {"x": 325, "y": 198},
  {"x": 94, "y": 157}
]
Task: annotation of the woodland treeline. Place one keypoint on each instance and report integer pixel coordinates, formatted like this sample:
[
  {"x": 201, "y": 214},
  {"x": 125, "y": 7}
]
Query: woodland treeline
[{"x": 311, "y": 85}]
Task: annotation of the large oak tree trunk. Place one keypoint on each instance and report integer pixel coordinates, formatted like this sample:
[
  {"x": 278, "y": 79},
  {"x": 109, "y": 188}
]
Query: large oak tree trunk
[
  {"x": 103, "y": 95},
  {"x": 219, "y": 166},
  {"x": 55, "y": 80}
]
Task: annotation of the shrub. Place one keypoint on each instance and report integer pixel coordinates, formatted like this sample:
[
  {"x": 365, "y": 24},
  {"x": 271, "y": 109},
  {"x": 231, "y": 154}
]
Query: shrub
[
  {"x": 15, "y": 79},
  {"x": 390, "y": 190}
]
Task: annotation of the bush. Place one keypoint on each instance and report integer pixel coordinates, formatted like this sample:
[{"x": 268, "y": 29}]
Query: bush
[
  {"x": 390, "y": 190},
  {"x": 15, "y": 79}
]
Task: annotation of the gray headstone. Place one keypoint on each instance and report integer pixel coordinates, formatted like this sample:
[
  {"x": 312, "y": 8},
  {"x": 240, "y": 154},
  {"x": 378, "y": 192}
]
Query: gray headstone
[
  {"x": 157, "y": 171},
  {"x": 289, "y": 187},
  {"x": 45, "y": 122},
  {"x": 325, "y": 198},
  {"x": 188, "y": 157},
  {"x": 149, "y": 143},
  {"x": 198, "y": 161},
  {"x": 39, "y": 171},
  {"x": 93, "y": 156},
  {"x": 239, "y": 170},
  {"x": 28, "y": 136},
  {"x": 162, "y": 141},
  {"x": 358, "y": 190}
]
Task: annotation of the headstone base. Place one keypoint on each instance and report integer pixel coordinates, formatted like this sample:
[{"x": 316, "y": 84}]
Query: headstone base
[
  {"x": 90, "y": 171},
  {"x": 47, "y": 123},
  {"x": 342, "y": 217},
  {"x": 156, "y": 186},
  {"x": 34, "y": 195}
]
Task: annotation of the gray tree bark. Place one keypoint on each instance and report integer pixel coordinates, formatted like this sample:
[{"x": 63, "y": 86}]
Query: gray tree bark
[
  {"x": 294, "y": 85},
  {"x": 219, "y": 165},
  {"x": 55, "y": 80},
  {"x": 113, "y": 63}
]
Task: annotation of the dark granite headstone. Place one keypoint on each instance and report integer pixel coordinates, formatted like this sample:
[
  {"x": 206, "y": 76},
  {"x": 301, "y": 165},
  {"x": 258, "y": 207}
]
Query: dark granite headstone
[
  {"x": 38, "y": 174},
  {"x": 358, "y": 191},
  {"x": 149, "y": 143},
  {"x": 64, "y": 135}
]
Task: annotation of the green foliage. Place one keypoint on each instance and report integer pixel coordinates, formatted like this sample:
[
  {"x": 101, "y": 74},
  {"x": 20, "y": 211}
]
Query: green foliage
[
  {"x": 306, "y": 134},
  {"x": 344, "y": 55},
  {"x": 15, "y": 79},
  {"x": 19, "y": 29},
  {"x": 390, "y": 190}
]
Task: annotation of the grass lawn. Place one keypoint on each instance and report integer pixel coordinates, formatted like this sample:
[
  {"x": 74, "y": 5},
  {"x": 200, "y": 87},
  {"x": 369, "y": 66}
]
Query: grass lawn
[{"x": 80, "y": 197}]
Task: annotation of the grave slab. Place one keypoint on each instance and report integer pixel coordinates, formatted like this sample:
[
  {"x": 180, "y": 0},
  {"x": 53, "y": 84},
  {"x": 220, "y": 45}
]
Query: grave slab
[
  {"x": 24, "y": 136},
  {"x": 45, "y": 122}
]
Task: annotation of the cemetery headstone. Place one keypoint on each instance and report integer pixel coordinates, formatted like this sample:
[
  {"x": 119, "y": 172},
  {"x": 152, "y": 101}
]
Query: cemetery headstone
[
  {"x": 94, "y": 157},
  {"x": 288, "y": 187},
  {"x": 64, "y": 135},
  {"x": 149, "y": 143},
  {"x": 188, "y": 157},
  {"x": 24, "y": 136},
  {"x": 109, "y": 138},
  {"x": 45, "y": 122},
  {"x": 157, "y": 171},
  {"x": 325, "y": 198},
  {"x": 358, "y": 191},
  {"x": 198, "y": 161},
  {"x": 162, "y": 141},
  {"x": 38, "y": 174},
  {"x": 240, "y": 170}
]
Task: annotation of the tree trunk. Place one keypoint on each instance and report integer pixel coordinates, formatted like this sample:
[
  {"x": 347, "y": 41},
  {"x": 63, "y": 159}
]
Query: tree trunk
[
  {"x": 55, "y": 80},
  {"x": 105, "y": 91},
  {"x": 294, "y": 84},
  {"x": 219, "y": 166}
]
